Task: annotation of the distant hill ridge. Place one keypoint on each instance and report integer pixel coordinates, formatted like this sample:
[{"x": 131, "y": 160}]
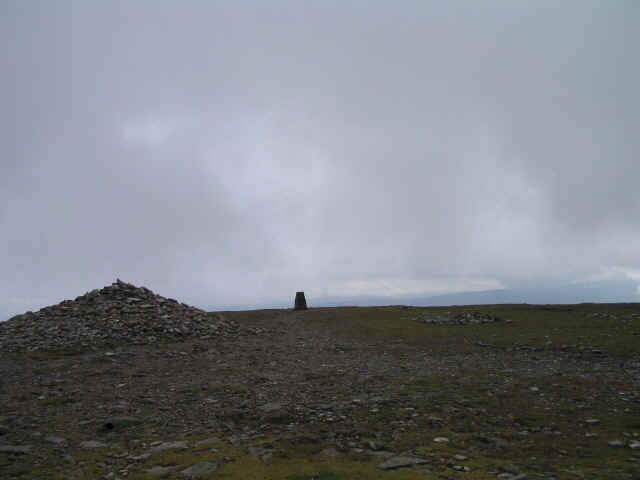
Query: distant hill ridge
[{"x": 120, "y": 312}]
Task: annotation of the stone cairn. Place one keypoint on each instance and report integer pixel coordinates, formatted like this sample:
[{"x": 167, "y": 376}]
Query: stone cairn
[
  {"x": 300, "y": 302},
  {"x": 119, "y": 313}
]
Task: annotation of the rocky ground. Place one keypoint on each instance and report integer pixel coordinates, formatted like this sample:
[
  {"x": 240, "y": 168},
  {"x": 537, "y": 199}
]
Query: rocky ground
[
  {"x": 282, "y": 394},
  {"x": 458, "y": 318}
]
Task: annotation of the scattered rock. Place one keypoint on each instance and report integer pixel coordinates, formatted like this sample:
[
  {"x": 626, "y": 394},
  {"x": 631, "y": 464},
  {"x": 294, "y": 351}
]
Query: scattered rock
[
  {"x": 208, "y": 441},
  {"x": 373, "y": 445},
  {"x": 92, "y": 444},
  {"x": 182, "y": 444},
  {"x": 441, "y": 440},
  {"x": 201, "y": 468},
  {"x": 15, "y": 449},
  {"x": 263, "y": 453},
  {"x": 160, "y": 470},
  {"x": 460, "y": 318},
  {"x": 461, "y": 468},
  {"x": 271, "y": 407},
  {"x": 379, "y": 453},
  {"x": 119, "y": 312},
  {"x": 330, "y": 452},
  {"x": 138, "y": 458},
  {"x": 56, "y": 441},
  {"x": 120, "y": 422},
  {"x": 510, "y": 468},
  {"x": 400, "y": 462}
]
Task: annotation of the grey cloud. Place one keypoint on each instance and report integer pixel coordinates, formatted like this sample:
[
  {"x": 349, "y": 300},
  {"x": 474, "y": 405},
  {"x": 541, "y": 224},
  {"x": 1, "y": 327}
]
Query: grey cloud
[{"x": 232, "y": 154}]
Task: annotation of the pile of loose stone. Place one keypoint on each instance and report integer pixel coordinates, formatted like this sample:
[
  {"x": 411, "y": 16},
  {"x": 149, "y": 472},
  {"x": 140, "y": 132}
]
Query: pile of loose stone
[
  {"x": 611, "y": 316},
  {"x": 459, "y": 318},
  {"x": 119, "y": 312}
]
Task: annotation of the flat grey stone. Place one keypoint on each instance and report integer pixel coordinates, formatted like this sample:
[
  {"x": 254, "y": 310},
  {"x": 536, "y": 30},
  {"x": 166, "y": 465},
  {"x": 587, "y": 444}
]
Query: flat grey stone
[
  {"x": 138, "y": 458},
  {"x": 271, "y": 407},
  {"x": 373, "y": 445},
  {"x": 56, "y": 440},
  {"x": 330, "y": 452},
  {"x": 92, "y": 444},
  {"x": 400, "y": 462},
  {"x": 182, "y": 444},
  {"x": 201, "y": 468},
  {"x": 17, "y": 449},
  {"x": 208, "y": 441}
]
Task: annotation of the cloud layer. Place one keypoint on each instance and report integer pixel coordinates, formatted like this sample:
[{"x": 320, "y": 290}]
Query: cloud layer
[{"x": 231, "y": 155}]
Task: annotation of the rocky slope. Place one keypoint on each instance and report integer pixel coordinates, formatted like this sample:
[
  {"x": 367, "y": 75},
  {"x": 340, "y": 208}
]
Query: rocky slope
[{"x": 117, "y": 313}]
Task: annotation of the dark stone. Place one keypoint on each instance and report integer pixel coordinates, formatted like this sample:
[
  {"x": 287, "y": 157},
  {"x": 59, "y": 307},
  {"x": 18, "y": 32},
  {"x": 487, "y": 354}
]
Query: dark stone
[{"x": 301, "y": 302}]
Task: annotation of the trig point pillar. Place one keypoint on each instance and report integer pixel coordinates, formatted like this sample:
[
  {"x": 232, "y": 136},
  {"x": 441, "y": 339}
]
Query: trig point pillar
[{"x": 301, "y": 302}]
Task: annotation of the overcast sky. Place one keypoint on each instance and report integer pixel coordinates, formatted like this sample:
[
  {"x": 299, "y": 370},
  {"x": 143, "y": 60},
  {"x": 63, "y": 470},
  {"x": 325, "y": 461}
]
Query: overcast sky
[{"x": 231, "y": 153}]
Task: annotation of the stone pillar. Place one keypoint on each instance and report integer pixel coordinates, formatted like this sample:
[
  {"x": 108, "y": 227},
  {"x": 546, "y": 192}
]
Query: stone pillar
[{"x": 301, "y": 302}]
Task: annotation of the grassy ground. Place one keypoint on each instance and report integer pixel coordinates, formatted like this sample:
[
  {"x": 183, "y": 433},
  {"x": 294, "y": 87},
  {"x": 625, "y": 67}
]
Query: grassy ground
[{"x": 553, "y": 326}]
